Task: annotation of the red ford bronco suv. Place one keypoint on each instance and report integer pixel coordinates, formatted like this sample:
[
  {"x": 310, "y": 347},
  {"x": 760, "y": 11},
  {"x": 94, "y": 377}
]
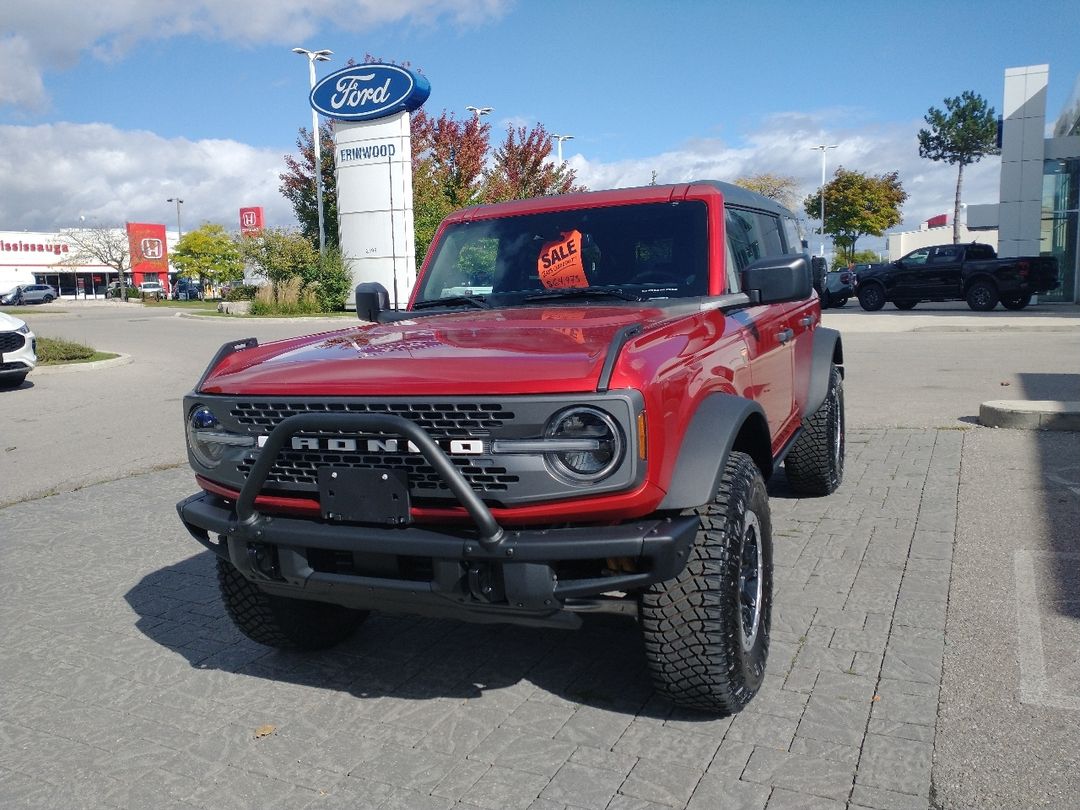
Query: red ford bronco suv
[{"x": 577, "y": 412}]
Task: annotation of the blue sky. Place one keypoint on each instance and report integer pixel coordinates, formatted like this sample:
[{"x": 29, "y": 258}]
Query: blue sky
[{"x": 106, "y": 109}]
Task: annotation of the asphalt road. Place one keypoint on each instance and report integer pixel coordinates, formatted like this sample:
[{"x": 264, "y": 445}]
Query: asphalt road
[{"x": 939, "y": 582}]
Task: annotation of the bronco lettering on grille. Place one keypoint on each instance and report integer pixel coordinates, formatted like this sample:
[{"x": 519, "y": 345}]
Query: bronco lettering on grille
[{"x": 455, "y": 447}]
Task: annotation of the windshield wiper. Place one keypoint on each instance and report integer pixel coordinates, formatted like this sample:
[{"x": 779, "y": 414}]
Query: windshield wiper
[
  {"x": 454, "y": 301},
  {"x": 584, "y": 292}
]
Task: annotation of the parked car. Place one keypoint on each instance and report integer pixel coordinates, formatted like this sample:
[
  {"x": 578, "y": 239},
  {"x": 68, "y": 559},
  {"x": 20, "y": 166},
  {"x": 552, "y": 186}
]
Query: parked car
[
  {"x": 187, "y": 290},
  {"x": 30, "y": 294},
  {"x": 971, "y": 273},
  {"x": 113, "y": 290},
  {"x": 18, "y": 350},
  {"x": 152, "y": 289},
  {"x": 839, "y": 286}
]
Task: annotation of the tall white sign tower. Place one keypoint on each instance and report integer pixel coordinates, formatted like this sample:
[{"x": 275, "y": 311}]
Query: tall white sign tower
[{"x": 373, "y": 157}]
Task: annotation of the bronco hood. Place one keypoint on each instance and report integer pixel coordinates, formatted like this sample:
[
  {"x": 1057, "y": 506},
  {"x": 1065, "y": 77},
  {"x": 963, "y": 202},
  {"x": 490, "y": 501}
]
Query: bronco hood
[{"x": 507, "y": 351}]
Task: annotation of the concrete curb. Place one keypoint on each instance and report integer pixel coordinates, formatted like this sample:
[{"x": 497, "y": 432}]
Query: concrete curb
[
  {"x": 96, "y": 365},
  {"x": 345, "y": 320},
  {"x": 1044, "y": 414}
]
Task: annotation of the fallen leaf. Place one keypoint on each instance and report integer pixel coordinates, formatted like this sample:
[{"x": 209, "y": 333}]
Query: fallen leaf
[
  {"x": 877, "y": 698},
  {"x": 1003, "y": 382},
  {"x": 264, "y": 731}
]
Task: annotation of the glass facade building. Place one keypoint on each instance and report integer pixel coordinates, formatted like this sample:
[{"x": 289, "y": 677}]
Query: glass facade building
[{"x": 1060, "y": 234}]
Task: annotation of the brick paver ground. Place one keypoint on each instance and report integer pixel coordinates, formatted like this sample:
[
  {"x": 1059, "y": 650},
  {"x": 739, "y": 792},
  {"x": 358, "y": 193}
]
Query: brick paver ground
[{"x": 122, "y": 684}]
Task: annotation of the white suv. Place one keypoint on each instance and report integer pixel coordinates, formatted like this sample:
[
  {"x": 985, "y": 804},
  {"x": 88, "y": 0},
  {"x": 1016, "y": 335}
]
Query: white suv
[
  {"x": 18, "y": 350},
  {"x": 151, "y": 288}
]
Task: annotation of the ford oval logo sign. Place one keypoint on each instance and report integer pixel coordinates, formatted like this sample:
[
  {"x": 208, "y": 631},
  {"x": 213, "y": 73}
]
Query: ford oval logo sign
[{"x": 366, "y": 92}]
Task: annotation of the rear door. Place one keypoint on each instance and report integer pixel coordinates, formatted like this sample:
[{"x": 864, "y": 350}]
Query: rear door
[{"x": 941, "y": 273}]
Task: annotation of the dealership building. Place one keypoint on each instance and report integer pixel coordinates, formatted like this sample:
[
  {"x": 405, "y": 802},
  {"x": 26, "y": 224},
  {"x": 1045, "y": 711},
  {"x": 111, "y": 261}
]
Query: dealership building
[
  {"x": 55, "y": 258},
  {"x": 1038, "y": 211}
]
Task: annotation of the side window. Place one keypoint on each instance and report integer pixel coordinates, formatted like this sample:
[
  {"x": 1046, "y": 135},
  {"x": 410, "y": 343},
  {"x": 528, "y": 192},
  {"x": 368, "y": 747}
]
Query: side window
[
  {"x": 769, "y": 230},
  {"x": 743, "y": 237},
  {"x": 917, "y": 256},
  {"x": 945, "y": 255},
  {"x": 793, "y": 238}
]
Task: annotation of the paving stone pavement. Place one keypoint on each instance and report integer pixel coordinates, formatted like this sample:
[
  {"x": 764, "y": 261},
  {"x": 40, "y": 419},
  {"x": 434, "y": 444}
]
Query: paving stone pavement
[{"x": 123, "y": 684}]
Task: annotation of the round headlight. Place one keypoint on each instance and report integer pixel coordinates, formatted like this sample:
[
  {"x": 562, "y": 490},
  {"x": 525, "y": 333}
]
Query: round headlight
[
  {"x": 599, "y": 443},
  {"x": 202, "y": 426}
]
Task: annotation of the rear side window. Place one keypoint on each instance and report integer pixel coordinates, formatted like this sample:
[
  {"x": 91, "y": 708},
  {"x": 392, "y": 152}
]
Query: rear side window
[
  {"x": 793, "y": 237},
  {"x": 980, "y": 252},
  {"x": 769, "y": 228}
]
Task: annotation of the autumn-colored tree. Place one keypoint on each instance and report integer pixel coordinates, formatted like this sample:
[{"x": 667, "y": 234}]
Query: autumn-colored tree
[
  {"x": 521, "y": 168},
  {"x": 963, "y": 134},
  {"x": 857, "y": 204},
  {"x": 448, "y": 161},
  {"x": 298, "y": 184},
  {"x": 208, "y": 253},
  {"x": 774, "y": 186}
]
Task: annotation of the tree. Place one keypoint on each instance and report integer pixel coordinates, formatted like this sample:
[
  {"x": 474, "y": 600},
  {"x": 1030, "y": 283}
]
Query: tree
[
  {"x": 448, "y": 162},
  {"x": 857, "y": 205},
  {"x": 298, "y": 185},
  {"x": 962, "y": 134},
  {"x": 521, "y": 168},
  {"x": 107, "y": 246},
  {"x": 279, "y": 255},
  {"x": 208, "y": 253},
  {"x": 774, "y": 186}
]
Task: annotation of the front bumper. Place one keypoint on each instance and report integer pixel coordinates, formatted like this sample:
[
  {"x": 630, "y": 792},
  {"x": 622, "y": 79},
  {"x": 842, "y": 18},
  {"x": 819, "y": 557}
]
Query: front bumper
[{"x": 479, "y": 573}]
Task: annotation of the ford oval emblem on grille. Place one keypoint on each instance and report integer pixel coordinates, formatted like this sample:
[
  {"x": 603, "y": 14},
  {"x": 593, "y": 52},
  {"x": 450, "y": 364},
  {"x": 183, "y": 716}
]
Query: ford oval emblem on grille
[{"x": 367, "y": 92}]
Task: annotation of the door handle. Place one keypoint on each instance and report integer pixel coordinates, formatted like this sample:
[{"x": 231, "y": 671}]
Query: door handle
[
  {"x": 806, "y": 320},
  {"x": 785, "y": 335}
]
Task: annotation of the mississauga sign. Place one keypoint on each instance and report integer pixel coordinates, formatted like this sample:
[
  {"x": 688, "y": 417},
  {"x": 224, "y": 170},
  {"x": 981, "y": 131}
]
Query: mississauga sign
[{"x": 368, "y": 92}]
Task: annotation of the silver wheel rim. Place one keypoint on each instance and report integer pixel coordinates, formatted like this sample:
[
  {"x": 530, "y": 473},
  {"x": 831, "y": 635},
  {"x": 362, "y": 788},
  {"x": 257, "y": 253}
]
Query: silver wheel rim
[
  {"x": 838, "y": 429},
  {"x": 751, "y": 580}
]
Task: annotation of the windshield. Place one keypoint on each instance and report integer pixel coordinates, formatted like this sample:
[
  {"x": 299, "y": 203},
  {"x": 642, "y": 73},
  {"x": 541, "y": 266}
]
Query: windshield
[{"x": 634, "y": 252}]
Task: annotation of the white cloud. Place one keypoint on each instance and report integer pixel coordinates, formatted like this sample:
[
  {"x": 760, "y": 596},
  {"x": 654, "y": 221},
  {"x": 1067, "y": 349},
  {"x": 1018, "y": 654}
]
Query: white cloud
[
  {"x": 51, "y": 35},
  {"x": 783, "y": 146},
  {"x": 55, "y": 173}
]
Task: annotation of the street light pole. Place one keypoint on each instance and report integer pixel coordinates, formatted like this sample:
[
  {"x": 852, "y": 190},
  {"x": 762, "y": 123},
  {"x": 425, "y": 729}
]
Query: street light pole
[
  {"x": 178, "y": 202},
  {"x": 560, "y": 139},
  {"x": 316, "y": 138},
  {"x": 823, "y": 148},
  {"x": 479, "y": 111}
]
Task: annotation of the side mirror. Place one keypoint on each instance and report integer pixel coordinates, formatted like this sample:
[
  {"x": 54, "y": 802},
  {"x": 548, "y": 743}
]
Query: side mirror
[
  {"x": 371, "y": 299},
  {"x": 777, "y": 279}
]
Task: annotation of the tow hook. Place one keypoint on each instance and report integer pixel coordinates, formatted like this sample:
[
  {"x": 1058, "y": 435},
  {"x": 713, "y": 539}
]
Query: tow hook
[{"x": 484, "y": 584}]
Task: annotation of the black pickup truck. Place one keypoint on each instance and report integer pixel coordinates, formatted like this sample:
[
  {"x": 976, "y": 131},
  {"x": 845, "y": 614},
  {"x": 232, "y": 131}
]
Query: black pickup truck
[{"x": 971, "y": 273}]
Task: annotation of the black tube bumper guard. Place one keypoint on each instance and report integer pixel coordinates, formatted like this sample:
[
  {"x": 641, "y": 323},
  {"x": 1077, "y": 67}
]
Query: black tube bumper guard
[{"x": 486, "y": 573}]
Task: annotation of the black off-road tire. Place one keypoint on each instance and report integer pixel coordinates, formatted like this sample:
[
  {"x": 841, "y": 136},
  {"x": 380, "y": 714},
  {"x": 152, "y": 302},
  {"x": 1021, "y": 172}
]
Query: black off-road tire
[
  {"x": 982, "y": 296},
  {"x": 13, "y": 382},
  {"x": 871, "y": 297},
  {"x": 706, "y": 631},
  {"x": 905, "y": 304},
  {"x": 276, "y": 621},
  {"x": 1016, "y": 302},
  {"x": 815, "y": 463}
]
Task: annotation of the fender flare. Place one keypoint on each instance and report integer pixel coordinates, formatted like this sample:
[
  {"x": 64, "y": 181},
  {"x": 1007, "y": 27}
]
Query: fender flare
[
  {"x": 723, "y": 422},
  {"x": 828, "y": 351}
]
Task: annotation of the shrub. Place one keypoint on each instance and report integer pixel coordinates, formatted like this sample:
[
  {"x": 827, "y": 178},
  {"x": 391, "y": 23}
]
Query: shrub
[
  {"x": 242, "y": 292},
  {"x": 285, "y": 298},
  {"x": 57, "y": 350}
]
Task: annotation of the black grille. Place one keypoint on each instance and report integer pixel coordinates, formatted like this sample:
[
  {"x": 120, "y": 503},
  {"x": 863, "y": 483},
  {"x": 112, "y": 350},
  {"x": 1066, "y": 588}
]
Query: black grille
[
  {"x": 299, "y": 469},
  {"x": 11, "y": 341},
  {"x": 439, "y": 419}
]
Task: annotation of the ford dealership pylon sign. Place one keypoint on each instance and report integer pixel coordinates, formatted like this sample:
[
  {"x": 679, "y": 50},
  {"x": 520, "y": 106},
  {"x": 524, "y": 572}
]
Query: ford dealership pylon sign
[{"x": 367, "y": 92}]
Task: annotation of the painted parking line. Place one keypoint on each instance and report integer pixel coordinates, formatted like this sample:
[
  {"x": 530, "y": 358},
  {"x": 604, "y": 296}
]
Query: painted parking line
[{"x": 1035, "y": 685}]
